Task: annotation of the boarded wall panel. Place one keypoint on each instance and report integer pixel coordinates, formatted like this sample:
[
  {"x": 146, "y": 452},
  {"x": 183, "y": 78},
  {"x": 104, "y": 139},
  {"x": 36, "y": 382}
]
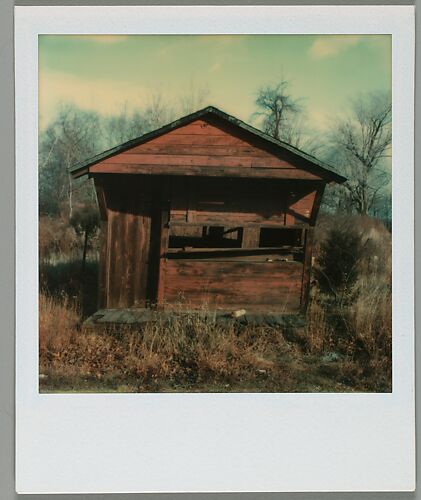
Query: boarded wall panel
[
  {"x": 228, "y": 285},
  {"x": 128, "y": 246},
  {"x": 206, "y": 145}
]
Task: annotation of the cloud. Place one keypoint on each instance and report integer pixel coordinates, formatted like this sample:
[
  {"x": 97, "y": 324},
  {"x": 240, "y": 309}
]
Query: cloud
[
  {"x": 331, "y": 45},
  {"x": 319, "y": 119},
  {"x": 104, "y": 96},
  {"x": 164, "y": 52},
  {"x": 215, "y": 67},
  {"x": 103, "y": 39}
]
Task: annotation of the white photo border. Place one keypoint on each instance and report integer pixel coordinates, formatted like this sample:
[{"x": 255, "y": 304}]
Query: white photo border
[{"x": 122, "y": 443}]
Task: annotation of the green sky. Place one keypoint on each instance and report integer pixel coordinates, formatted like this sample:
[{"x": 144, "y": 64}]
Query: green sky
[{"x": 104, "y": 73}]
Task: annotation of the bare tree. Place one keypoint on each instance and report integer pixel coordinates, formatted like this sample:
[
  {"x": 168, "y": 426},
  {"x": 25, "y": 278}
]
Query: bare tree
[
  {"x": 278, "y": 112},
  {"x": 72, "y": 137},
  {"x": 123, "y": 127},
  {"x": 299, "y": 134},
  {"x": 195, "y": 98},
  {"x": 158, "y": 111},
  {"x": 361, "y": 144}
]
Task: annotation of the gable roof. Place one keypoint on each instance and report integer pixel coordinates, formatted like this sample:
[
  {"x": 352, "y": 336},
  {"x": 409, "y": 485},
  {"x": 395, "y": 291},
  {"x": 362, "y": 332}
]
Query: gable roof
[{"x": 315, "y": 164}]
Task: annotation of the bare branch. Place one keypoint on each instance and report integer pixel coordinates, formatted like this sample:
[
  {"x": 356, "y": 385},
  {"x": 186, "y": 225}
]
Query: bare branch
[{"x": 361, "y": 142}]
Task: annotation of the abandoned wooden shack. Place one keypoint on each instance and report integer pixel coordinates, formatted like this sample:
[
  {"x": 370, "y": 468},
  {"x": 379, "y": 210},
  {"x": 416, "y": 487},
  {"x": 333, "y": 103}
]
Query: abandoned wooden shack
[{"x": 207, "y": 212}]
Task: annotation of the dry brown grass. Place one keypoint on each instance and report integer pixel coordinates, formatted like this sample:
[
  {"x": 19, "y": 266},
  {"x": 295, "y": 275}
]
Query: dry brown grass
[
  {"x": 191, "y": 353},
  {"x": 355, "y": 340},
  {"x": 185, "y": 352}
]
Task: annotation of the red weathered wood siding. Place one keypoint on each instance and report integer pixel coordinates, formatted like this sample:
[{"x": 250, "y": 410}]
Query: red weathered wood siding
[
  {"x": 264, "y": 286},
  {"x": 205, "y": 148},
  {"x": 128, "y": 257},
  {"x": 125, "y": 250},
  {"x": 137, "y": 267},
  {"x": 199, "y": 176}
]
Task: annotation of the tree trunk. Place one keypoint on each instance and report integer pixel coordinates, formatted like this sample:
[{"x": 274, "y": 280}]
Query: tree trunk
[
  {"x": 70, "y": 197},
  {"x": 85, "y": 248}
]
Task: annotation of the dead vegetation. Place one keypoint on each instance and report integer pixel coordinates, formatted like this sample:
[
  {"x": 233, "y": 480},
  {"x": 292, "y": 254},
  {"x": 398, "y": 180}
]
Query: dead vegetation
[{"x": 345, "y": 346}]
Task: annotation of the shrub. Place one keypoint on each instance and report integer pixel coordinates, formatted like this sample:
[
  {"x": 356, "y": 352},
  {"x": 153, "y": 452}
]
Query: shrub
[
  {"x": 338, "y": 262},
  {"x": 56, "y": 238},
  {"x": 85, "y": 220}
]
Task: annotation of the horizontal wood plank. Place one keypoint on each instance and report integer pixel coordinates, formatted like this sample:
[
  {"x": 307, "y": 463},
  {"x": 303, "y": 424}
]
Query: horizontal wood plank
[
  {"x": 199, "y": 160},
  {"x": 194, "y": 149},
  {"x": 265, "y": 224},
  {"x": 183, "y": 160},
  {"x": 200, "y": 140},
  {"x": 262, "y": 173}
]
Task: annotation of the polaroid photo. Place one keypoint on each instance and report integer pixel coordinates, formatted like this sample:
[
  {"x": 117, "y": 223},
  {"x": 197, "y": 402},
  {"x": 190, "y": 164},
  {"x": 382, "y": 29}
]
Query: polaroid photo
[{"x": 214, "y": 232}]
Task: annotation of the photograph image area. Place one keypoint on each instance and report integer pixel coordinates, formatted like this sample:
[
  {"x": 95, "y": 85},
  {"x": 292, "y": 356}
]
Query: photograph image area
[{"x": 215, "y": 213}]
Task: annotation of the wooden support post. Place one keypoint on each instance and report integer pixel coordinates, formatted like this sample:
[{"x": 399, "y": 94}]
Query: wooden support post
[
  {"x": 251, "y": 237},
  {"x": 308, "y": 250},
  {"x": 317, "y": 203},
  {"x": 191, "y": 202},
  {"x": 163, "y": 243}
]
